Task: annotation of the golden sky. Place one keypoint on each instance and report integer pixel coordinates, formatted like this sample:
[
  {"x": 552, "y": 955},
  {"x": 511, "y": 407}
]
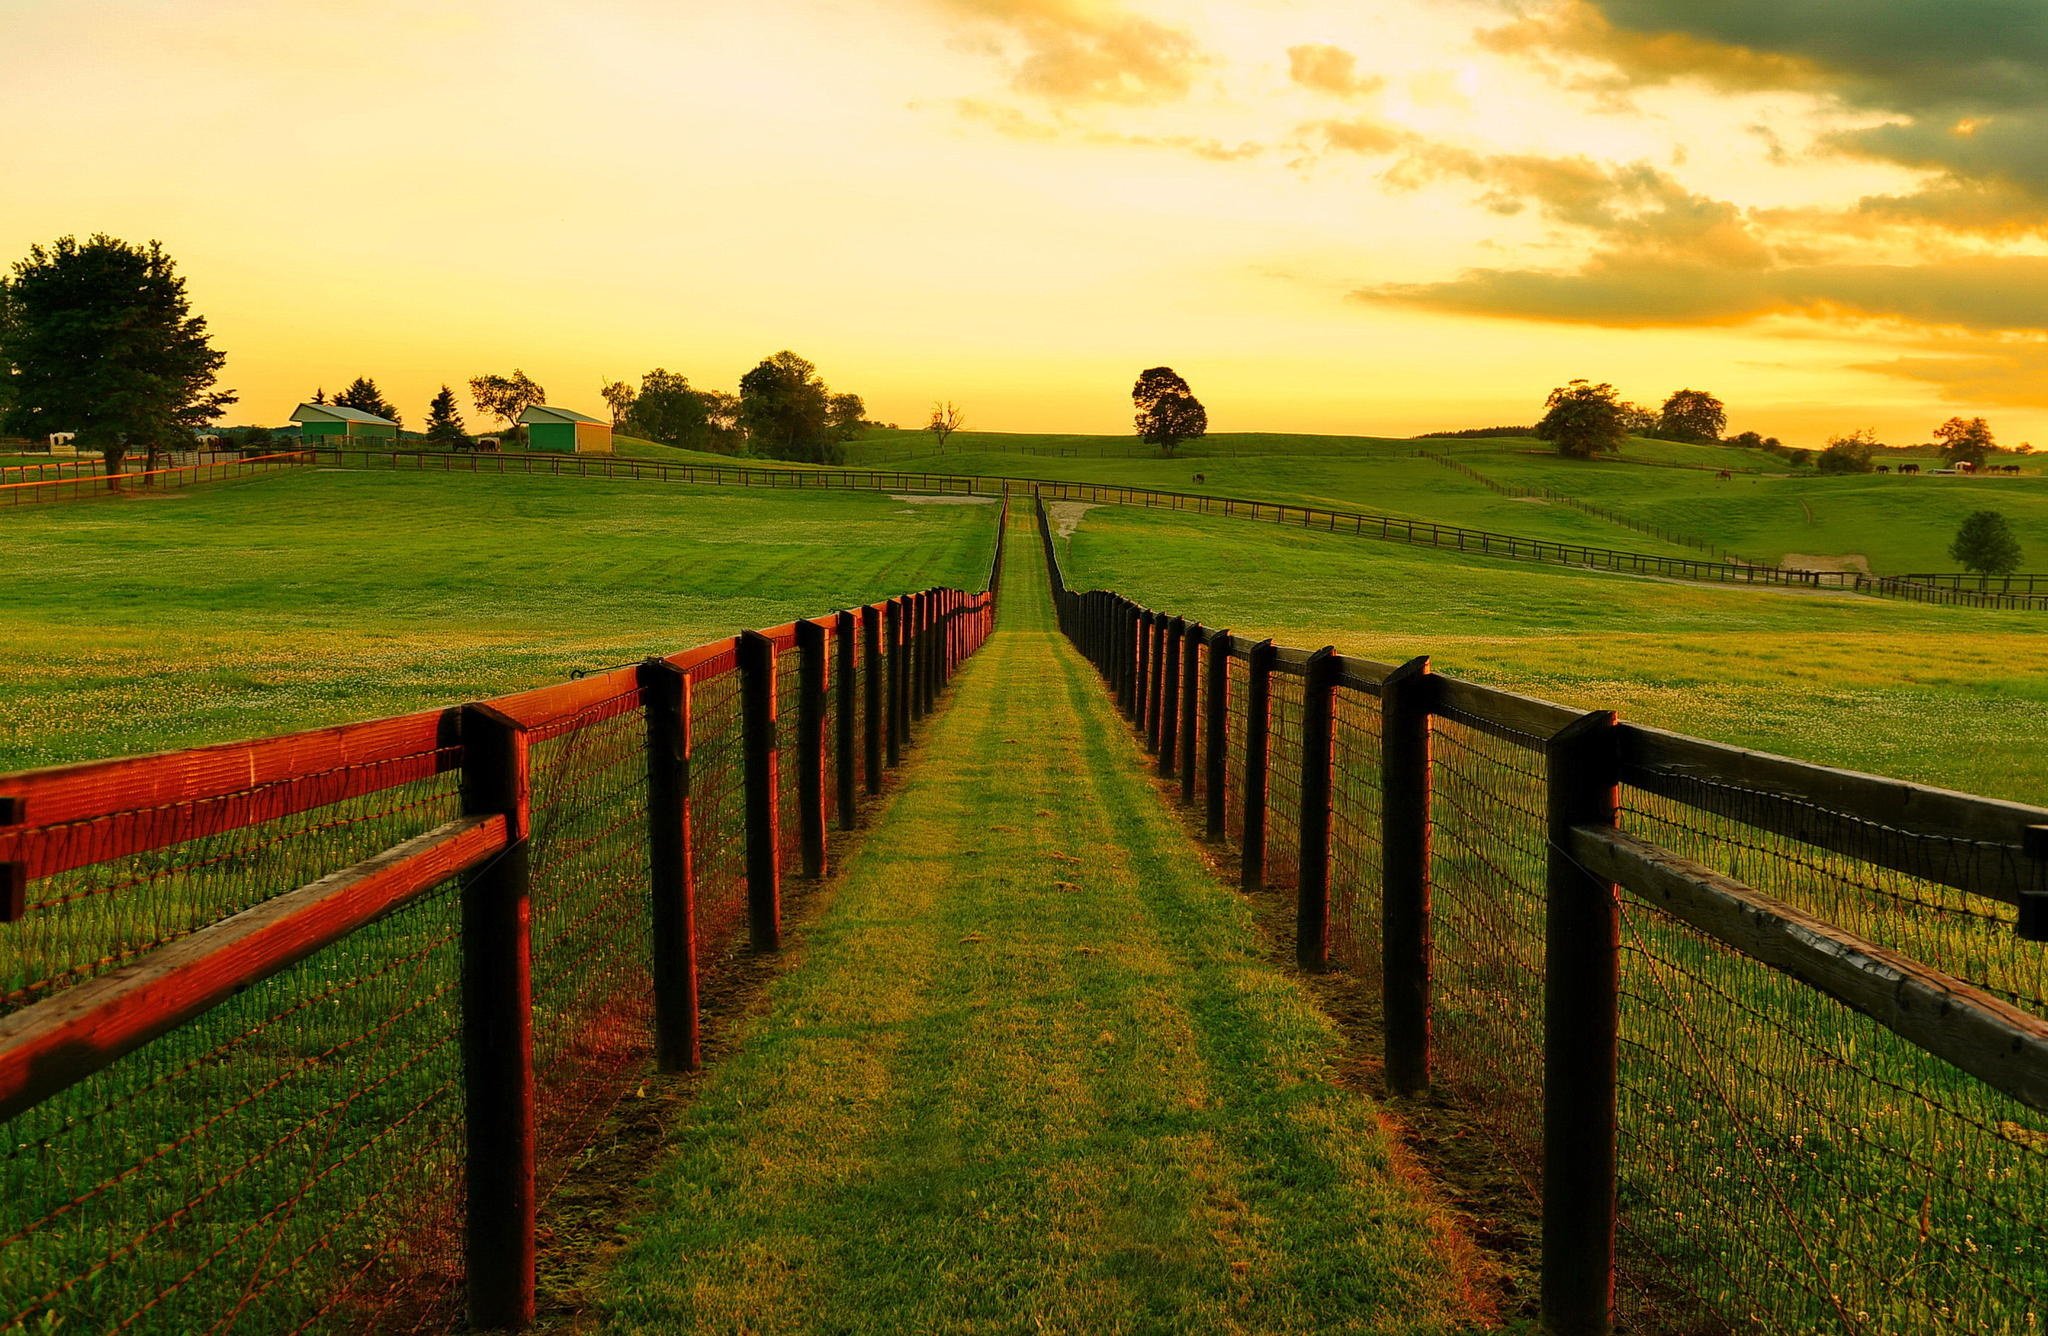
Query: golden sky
[{"x": 1329, "y": 215}]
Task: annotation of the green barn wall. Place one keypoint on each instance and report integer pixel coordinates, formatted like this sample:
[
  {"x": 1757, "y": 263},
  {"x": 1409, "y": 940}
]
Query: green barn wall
[{"x": 556, "y": 436}]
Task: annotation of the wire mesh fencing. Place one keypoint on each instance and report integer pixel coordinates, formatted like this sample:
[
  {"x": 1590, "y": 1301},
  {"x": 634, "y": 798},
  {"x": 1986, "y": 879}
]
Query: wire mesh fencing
[
  {"x": 1794, "y": 1076},
  {"x": 248, "y": 990}
]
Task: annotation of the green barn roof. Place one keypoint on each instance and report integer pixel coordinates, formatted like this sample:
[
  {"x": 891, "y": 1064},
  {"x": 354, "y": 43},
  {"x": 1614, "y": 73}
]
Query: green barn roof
[{"x": 543, "y": 413}]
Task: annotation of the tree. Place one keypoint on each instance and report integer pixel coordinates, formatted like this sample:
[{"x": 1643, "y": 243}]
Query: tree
[
  {"x": 1168, "y": 412},
  {"x": 847, "y": 412},
  {"x": 363, "y": 395},
  {"x": 1692, "y": 415},
  {"x": 1854, "y": 453},
  {"x": 946, "y": 419},
  {"x": 666, "y": 409},
  {"x": 1582, "y": 419},
  {"x": 619, "y": 395},
  {"x": 1637, "y": 420},
  {"x": 1965, "y": 441},
  {"x": 1986, "y": 544},
  {"x": 445, "y": 426},
  {"x": 320, "y": 395},
  {"x": 506, "y": 396},
  {"x": 99, "y": 339},
  {"x": 786, "y": 410},
  {"x": 722, "y": 420}
]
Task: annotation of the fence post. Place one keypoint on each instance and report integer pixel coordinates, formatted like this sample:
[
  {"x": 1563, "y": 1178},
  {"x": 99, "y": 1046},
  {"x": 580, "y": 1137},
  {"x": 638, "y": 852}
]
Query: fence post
[
  {"x": 1312, "y": 889},
  {"x": 1216, "y": 735},
  {"x": 1155, "y": 700},
  {"x": 1406, "y": 698},
  {"x": 899, "y": 704},
  {"x": 757, "y": 741},
  {"x": 497, "y": 1028},
  {"x": 1258, "y": 726},
  {"x": 1175, "y": 631},
  {"x": 810, "y": 747},
  {"x": 1142, "y": 670},
  {"x": 1581, "y": 958},
  {"x": 1190, "y": 692},
  {"x": 847, "y": 704},
  {"x": 935, "y": 652},
  {"x": 672, "y": 915},
  {"x": 1130, "y": 633},
  {"x": 873, "y": 720}
]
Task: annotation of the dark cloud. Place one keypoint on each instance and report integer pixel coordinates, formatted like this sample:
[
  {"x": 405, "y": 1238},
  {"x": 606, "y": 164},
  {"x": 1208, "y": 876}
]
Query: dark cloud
[
  {"x": 1329, "y": 69},
  {"x": 1966, "y": 80},
  {"x": 1073, "y": 51}
]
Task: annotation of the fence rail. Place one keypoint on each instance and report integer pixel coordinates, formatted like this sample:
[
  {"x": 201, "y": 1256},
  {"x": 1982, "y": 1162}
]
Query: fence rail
[
  {"x": 77, "y": 486},
  {"x": 307, "y": 1031},
  {"x": 1764, "y": 1042}
]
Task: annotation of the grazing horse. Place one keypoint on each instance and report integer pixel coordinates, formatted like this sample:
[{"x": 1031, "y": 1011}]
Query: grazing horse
[
  {"x": 1909, "y": 468},
  {"x": 1725, "y": 476}
]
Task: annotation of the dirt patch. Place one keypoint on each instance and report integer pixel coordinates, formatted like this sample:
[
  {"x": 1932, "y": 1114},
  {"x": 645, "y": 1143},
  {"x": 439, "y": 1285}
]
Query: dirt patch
[
  {"x": 945, "y": 500},
  {"x": 1848, "y": 561},
  {"x": 1066, "y": 515}
]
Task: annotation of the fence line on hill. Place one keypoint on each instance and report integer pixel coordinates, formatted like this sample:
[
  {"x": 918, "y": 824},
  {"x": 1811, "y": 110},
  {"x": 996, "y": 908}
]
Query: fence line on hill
[
  {"x": 93, "y": 484},
  {"x": 1765, "y": 1041},
  {"x": 1588, "y": 508},
  {"x": 307, "y": 1031},
  {"x": 1394, "y": 528},
  {"x": 94, "y": 465}
]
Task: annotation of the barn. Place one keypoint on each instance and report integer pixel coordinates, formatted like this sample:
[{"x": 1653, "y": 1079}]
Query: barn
[
  {"x": 565, "y": 431},
  {"x": 327, "y": 422}
]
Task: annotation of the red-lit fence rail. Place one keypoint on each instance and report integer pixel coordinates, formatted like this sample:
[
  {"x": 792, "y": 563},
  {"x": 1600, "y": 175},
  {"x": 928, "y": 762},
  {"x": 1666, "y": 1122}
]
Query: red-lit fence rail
[
  {"x": 1393, "y": 528},
  {"x": 93, "y": 483},
  {"x": 1765, "y": 1042},
  {"x": 307, "y": 1031}
]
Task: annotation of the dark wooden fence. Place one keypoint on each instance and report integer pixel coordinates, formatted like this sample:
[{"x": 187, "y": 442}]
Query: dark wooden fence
[
  {"x": 77, "y": 484},
  {"x": 1765, "y": 1043},
  {"x": 311, "y": 1031}
]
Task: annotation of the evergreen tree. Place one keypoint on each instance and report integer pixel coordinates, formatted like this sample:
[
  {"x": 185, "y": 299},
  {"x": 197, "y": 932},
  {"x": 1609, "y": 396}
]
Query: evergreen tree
[
  {"x": 445, "y": 426},
  {"x": 1986, "y": 544},
  {"x": 364, "y": 396}
]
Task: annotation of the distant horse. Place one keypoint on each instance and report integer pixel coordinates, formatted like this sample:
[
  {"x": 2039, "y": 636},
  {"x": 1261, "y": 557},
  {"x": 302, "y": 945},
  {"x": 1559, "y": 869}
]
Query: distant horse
[
  {"x": 1909, "y": 468},
  {"x": 1725, "y": 476},
  {"x": 1200, "y": 478}
]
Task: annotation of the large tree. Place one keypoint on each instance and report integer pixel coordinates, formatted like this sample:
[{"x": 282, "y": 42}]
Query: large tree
[
  {"x": 445, "y": 426},
  {"x": 1854, "y": 453},
  {"x": 666, "y": 409},
  {"x": 786, "y": 410},
  {"x": 1168, "y": 412},
  {"x": 1986, "y": 543},
  {"x": 99, "y": 339},
  {"x": 1965, "y": 441},
  {"x": 506, "y": 396},
  {"x": 363, "y": 395},
  {"x": 1692, "y": 415},
  {"x": 1582, "y": 420}
]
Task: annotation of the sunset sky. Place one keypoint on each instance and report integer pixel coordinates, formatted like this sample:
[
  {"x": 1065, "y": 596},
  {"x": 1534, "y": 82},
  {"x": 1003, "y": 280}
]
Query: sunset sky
[{"x": 1329, "y": 215}]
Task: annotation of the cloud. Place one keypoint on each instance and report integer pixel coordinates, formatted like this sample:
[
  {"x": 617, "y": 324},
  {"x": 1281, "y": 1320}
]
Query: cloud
[
  {"x": 1074, "y": 51},
  {"x": 1965, "y": 83},
  {"x": 1016, "y": 124},
  {"x": 1360, "y": 134},
  {"x": 1634, "y": 289},
  {"x": 1329, "y": 69},
  {"x": 2002, "y": 375}
]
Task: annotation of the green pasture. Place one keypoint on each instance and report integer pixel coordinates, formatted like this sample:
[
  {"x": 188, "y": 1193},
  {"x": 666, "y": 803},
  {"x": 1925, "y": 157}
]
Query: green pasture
[
  {"x": 1948, "y": 696},
  {"x": 303, "y": 599}
]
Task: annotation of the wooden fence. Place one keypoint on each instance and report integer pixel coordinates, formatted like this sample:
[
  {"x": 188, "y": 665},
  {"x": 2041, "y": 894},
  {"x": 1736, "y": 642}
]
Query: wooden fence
[
  {"x": 90, "y": 482},
  {"x": 1765, "y": 1043},
  {"x": 309, "y": 1031}
]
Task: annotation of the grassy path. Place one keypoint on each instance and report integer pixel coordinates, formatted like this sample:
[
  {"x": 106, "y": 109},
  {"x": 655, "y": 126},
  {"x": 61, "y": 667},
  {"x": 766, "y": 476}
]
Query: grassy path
[{"x": 1032, "y": 1074}]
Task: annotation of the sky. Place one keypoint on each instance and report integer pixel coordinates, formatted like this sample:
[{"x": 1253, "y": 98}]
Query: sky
[{"x": 1347, "y": 216}]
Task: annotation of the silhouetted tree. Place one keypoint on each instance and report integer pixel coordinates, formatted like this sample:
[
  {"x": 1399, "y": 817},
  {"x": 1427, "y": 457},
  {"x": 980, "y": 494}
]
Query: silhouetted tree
[
  {"x": 506, "y": 396},
  {"x": 1582, "y": 420},
  {"x": 1854, "y": 453},
  {"x": 363, "y": 395},
  {"x": 666, "y": 409},
  {"x": 1637, "y": 420},
  {"x": 1965, "y": 441},
  {"x": 1986, "y": 543},
  {"x": 619, "y": 396},
  {"x": 847, "y": 412},
  {"x": 1692, "y": 415},
  {"x": 1168, "y": 412},
  {"x": 786, "y": 410},
  {"x": 445, "y": 426},
  {"x": 946, "y": 419},
  {"x": 99, "y": 339}
]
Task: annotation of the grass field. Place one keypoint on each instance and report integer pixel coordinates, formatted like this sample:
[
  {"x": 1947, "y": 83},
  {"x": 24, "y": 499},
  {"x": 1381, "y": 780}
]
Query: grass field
[
  {"x": 295, "y": 601},
  {"x": 1946, "y": 696}
]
